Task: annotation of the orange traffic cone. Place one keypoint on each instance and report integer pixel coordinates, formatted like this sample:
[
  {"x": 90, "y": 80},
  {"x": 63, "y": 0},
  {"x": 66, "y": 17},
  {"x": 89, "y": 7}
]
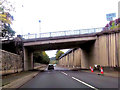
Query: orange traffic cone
[
  {"x": 102, "y": 71},
  {"x": 91, "y": 69}
]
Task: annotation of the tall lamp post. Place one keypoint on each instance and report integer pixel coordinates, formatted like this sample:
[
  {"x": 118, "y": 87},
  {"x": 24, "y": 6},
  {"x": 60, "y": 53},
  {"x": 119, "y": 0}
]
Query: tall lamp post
[{"x": 39, "y": 26}]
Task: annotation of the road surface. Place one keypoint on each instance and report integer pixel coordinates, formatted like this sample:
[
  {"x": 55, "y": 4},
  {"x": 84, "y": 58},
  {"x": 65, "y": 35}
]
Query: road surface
[{"x": 71, "y": 79}]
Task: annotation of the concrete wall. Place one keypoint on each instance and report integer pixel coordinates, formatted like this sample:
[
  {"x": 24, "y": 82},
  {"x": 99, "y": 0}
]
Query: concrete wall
[
  {"x": 109, "y": 53},
  {"x": 11, "y": 62},
  {"x": 105, "y": 51},
  {"x": 77, "y": 58},
  {"x": 72, "y": 60},
  {"x": 118, "y": 40}
]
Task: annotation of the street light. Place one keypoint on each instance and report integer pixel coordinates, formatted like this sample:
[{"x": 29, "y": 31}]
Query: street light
[{"x": 39, "y": 26}]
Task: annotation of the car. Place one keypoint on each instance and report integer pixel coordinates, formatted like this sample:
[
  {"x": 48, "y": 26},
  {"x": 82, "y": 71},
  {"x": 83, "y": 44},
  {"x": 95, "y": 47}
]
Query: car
[{"x": 50, "y": 67}]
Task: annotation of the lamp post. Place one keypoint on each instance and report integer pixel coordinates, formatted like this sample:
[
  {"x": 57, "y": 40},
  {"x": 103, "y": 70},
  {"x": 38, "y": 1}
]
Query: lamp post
[{"x": 39, "y": 26}]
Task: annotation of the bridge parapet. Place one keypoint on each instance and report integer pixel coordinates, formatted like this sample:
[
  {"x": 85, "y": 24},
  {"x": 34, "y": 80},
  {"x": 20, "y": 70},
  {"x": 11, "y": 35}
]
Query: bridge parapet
[{"x": 63, "y": 33}]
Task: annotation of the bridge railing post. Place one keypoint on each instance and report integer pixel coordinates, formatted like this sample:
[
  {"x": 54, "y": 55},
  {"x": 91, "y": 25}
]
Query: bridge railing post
[
  {"x": 28, "y": 35},
  {"x": 39, "y": 35},
  {"x": 35, "y": 35},
  {"x": 94, "y": 30},
  {"x": 88, "y": 30},
  {"x": 50, "y": 34},
  {"x": 65, "y": 33},
  {"x": 79, "y": 32}
]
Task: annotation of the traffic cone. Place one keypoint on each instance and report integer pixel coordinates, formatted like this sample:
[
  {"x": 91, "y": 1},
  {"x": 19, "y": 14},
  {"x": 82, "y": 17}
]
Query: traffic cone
[
  {"x": 91, "y": 69},
  {"x": 102, "y": 71}
]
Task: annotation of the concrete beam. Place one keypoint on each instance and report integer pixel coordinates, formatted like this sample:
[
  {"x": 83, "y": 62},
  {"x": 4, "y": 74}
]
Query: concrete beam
[{"x": 59, "y": 41}]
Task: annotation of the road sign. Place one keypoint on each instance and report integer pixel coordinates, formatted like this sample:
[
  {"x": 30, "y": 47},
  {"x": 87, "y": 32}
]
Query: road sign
[
  {"x": 110, "y": 19},
  {"x": 110, "y": 16}
]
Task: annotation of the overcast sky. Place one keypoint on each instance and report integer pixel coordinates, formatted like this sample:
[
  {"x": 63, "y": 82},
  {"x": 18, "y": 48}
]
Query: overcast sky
[{"x": 60, "y": 15}]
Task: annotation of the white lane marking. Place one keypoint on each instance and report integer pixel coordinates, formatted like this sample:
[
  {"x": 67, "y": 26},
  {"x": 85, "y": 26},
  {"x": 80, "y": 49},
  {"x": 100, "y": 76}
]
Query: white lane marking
[
  {"x": 64, "y": 73},
  {"x": 84, "y": 83}
]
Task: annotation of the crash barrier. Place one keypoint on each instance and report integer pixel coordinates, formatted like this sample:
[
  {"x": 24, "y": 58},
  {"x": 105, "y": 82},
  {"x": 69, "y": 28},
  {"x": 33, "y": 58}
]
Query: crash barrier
[{"x": 11, "y": 63}]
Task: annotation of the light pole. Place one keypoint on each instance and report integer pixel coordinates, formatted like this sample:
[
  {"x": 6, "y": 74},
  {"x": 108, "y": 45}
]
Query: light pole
[{"x": 39, "y": 26}]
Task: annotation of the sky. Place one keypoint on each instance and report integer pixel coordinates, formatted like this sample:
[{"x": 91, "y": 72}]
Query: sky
[{"x": 61, "y": 15}]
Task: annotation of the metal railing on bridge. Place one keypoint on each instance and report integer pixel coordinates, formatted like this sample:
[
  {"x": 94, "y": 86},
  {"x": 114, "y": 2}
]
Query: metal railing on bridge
[{"x": 63, "y": 33}]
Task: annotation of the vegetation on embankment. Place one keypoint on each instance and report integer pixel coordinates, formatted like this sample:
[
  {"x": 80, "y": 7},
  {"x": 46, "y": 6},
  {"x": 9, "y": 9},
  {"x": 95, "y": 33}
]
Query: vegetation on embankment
[
  {"x": 58, "y": 54},
  {"x": 41, "y": 57},
  {"x": 115, "y": 24}
]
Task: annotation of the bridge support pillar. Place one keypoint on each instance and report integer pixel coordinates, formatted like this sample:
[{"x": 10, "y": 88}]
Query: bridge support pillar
[{"x": 28, "y": 59}]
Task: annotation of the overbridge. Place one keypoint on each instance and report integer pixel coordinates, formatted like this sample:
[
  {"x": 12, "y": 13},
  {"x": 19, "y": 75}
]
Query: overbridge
[
  {"x": 84, "y": 39},
  {"x": 60, "y": 39}
]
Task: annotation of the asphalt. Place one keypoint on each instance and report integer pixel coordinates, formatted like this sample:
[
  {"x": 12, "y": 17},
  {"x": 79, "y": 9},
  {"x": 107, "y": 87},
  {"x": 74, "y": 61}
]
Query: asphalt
[
  {"x": 53, "y": 79},
  {"x": 71, "y": 79},
  {"x": 95, "y": 80}
]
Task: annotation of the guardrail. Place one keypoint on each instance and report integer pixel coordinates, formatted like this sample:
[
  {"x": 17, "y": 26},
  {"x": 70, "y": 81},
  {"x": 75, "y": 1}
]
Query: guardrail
[{"x": 64, "y": 33}]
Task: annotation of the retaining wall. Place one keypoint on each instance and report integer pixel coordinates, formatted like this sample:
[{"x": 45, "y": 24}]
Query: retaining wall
[
  {"x": 11, "y": 62},
  {"x": 105, "y": 51}
]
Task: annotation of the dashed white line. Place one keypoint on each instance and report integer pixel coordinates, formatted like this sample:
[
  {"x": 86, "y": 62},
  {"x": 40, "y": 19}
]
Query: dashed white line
[
  {"x": 81, "y": 81},
  {"x": 84, "y": 83},
  {"x": 64, "y": 73}
]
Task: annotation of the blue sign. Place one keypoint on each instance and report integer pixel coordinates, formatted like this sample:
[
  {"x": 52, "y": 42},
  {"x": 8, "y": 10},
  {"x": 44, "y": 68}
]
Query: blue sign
[
  {"x": 110, "y": 16},
  {"x": 109, "y": 19}
]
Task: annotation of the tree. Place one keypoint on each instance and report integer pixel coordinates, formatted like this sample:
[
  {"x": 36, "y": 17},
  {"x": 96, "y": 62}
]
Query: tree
[
  {"x": 58, "y": 54},
  {"x": 52, "y": 58},
  {"x": 53, "y": 61},
  {"x": 41, "y": 57},
  {"x": 6, "y": 19}
]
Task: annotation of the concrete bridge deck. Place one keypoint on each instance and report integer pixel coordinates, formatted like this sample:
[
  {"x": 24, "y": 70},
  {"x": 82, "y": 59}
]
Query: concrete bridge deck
[{"x": 61, "y": 42}]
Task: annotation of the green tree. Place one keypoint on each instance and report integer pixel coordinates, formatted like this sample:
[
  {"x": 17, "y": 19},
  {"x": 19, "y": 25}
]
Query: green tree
[
  {"x": 41, "y": 57},
  {"x": 53, "y": 61},
  {"x": 58, "y": 54},
  {"x": 6, "y": 19},
  {"x": 113, "y": 25}
]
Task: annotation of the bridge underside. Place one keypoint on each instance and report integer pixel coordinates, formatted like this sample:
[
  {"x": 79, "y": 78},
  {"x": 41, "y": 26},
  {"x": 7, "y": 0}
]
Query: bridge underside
[
  {"x": 58, "y": 43},
  {"x": 52, "y": 44}
]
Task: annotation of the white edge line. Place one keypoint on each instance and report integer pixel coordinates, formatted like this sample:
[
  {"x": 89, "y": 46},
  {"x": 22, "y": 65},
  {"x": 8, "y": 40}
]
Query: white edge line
[
  {"x": 64, "y": 73},
  {"x": 84, "y": 83}
]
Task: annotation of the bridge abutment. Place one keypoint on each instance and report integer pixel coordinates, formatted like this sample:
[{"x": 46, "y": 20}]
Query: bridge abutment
[{"x": 104, "y": 51}]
